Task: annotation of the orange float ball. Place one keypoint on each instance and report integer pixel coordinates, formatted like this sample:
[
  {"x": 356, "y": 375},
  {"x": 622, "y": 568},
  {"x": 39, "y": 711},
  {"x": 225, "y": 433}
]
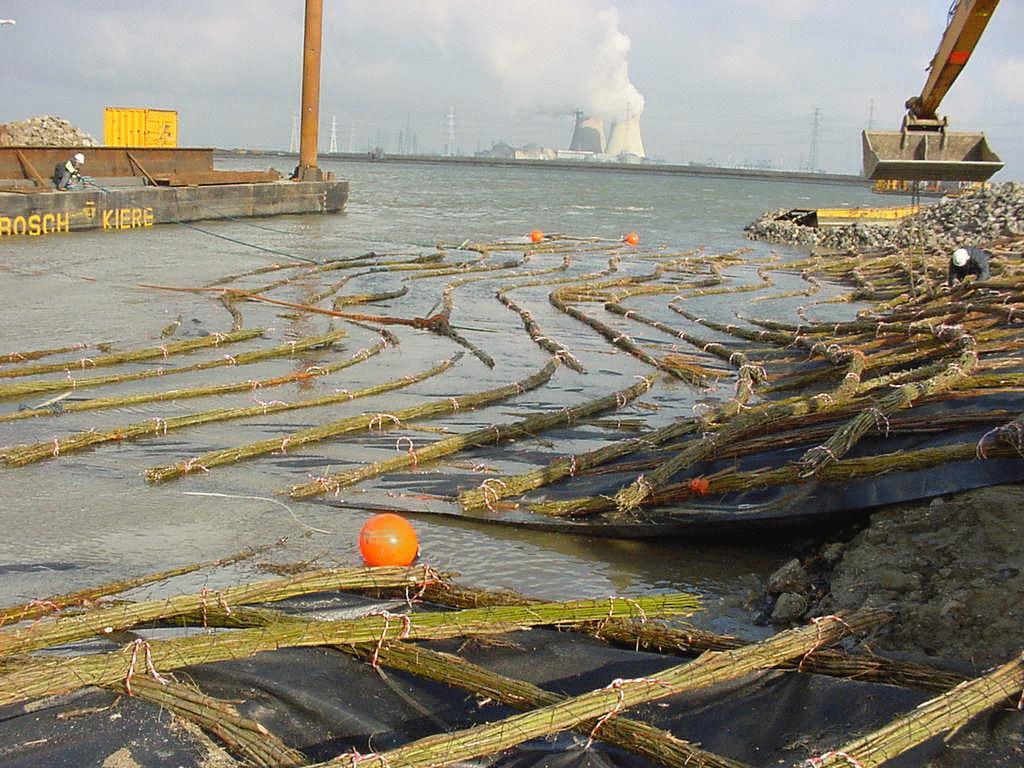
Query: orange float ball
[
  {"x": 536, "y": 236},
  {"x": 388, "y": 539},
  {"x": 632, "y": 238}
]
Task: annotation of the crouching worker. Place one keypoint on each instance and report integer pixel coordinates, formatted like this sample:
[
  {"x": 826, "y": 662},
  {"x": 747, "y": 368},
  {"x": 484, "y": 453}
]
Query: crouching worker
[
  {"x": 69, "y": 172},
  {"x": 967, "y": 261}
]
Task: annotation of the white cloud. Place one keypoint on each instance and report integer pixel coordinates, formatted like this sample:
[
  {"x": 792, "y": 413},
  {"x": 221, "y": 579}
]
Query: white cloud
[
  {"x": 552, "y": 57},
  {"x": 1009, "y": 79},
  {"x": 748, "y": 64}
]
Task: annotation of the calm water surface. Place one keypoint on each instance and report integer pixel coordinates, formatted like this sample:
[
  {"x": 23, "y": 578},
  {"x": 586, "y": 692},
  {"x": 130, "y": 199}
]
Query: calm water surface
[{"x": 90, "y": 517}]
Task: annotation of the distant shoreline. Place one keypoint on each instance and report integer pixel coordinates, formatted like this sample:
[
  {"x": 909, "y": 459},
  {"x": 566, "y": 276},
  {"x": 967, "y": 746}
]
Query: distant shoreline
[{"x": 574, "y": 165}]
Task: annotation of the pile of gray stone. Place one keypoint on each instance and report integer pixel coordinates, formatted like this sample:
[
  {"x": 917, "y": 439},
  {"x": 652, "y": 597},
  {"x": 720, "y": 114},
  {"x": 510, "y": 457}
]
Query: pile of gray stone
[
  {"x": 974, "y": 218},
  {"x": 44, "y": 131}
]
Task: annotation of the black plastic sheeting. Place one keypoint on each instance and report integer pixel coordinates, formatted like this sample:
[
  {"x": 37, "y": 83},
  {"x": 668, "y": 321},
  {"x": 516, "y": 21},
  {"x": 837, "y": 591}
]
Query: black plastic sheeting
[
  {"x": 811, "y": 502},
  {"x": 325, "y": 703}
]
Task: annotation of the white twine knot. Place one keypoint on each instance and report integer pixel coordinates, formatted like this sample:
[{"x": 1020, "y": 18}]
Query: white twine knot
[{"x": 135, "y": 646}]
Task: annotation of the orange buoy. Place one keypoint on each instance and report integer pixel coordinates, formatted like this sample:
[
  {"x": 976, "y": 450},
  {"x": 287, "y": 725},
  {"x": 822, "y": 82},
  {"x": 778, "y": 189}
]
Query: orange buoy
[
  {"x": 536, "y": 236},
  {"x": 388, "y": 539},
  {"x": 700, "y": 486},
  {"x": 632, "y": 238}
]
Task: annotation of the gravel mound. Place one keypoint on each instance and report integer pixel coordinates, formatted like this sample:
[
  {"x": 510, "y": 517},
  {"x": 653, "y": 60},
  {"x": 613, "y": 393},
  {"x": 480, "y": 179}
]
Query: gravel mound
[
  {"x": 44, "y": 131},
  {"x": 975, "y": 218}
]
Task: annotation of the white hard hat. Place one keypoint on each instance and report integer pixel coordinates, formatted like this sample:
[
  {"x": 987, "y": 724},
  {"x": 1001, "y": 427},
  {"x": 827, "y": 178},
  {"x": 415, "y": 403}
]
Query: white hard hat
[
  {"x": 79, "y": 157},
  {"x": 961, "y": 257}
]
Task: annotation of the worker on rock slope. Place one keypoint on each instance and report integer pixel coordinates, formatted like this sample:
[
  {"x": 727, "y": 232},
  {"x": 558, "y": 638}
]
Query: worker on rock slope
[{"x": 967, "y": 261}]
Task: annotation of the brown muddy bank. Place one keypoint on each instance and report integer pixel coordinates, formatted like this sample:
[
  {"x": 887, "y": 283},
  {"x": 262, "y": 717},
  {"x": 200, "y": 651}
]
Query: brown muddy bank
[{"x": 950, "y": 570}]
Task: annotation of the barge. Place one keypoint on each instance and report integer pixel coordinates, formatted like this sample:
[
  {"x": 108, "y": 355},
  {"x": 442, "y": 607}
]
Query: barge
[{"x": 138, "y": 187}]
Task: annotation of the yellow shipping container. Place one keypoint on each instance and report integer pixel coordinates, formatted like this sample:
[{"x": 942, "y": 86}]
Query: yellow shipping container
[{"x": 128, "y": 127}]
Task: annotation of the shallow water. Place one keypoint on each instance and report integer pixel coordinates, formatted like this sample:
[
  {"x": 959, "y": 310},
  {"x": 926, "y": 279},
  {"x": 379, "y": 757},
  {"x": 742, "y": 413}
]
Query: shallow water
[{"x": 90, "y": 517}]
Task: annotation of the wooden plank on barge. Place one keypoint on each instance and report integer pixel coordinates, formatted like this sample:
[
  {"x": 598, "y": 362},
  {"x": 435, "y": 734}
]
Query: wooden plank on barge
[{"x": 207, "y": 178}]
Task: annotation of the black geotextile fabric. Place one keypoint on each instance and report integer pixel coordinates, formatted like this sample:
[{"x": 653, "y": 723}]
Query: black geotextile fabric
[
  {"x": 324, "y": 703},
  {"x": 809, "y": 502}
]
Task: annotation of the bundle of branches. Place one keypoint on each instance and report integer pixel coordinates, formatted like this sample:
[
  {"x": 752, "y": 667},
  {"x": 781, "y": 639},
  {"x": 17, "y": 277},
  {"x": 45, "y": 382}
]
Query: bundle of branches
[{"x": 242, "y": 358}]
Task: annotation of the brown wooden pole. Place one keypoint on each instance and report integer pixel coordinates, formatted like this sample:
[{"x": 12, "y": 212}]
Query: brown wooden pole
[{"x": 307, "y": 170}]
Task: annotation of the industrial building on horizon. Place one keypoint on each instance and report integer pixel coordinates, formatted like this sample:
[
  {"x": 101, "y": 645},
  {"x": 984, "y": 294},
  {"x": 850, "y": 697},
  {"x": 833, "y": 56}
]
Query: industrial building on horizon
[{"x": 624, "y": 143}]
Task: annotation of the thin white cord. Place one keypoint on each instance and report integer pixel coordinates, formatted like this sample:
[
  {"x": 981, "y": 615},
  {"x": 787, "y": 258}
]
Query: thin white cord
[{"x": 259, "y": 498}]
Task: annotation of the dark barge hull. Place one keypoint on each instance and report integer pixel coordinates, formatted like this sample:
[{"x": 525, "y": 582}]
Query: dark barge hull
[{"x": 138, "y": 188}]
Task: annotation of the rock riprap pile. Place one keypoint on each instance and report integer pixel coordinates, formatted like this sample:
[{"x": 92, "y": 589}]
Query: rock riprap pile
[
  {"x": 975, "y": 218},
  {"x": 44, "y": 131}
]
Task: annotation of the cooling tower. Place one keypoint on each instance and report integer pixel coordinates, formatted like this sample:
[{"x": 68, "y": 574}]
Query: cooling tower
[
  {"x": 588, "y": 135},
  {"x": 625, "y": 138}
]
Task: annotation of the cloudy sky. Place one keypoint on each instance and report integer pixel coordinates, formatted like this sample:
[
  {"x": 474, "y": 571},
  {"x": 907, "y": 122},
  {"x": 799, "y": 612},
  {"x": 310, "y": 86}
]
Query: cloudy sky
[{"x": 731, "y": 81}]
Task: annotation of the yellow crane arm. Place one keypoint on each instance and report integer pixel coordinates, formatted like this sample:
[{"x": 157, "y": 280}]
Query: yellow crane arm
[{"x": 967, "y": 20}]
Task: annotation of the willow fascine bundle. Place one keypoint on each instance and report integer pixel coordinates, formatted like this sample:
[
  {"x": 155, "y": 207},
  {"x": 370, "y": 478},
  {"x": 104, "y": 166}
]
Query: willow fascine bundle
[
  {"x": 20, "y": 455},
  {"x": 943, "y": 714},
  {"x": 369, "y": 298},
  {"x": 44, "y": 676},
  {"x": 150, "y": 353},
  {"x": 512, "y": 264},
  {"x": 625, "y": 343},
  {"x": 526, "y": 273},
  {"x": 449, "y": 289},
  {"x": 438, "y": 324},
  {"x": 57, "y": 630},
  {"x": 372, "y": 265},
  {"x": 515, "y": 485},
  {"x": 603, "y": 704},
  {"x": 749, "y": 375},
  {"x": 237, "y": 321},
  {"x": 533, "y": 329},
  {"x": 546, "y": 343},
  {"x": 904, "y": 397},
  {"x": 416, "y": 322},
  {"x": 659, "y": 746},
  {"x": 496, "y": 433},
  {"x": 88, "y": 596},
  {"x": 242, "y": 358},
  {"x": 686, "y": 640},
  {"x": 745, "y": 424},
  {"x": 36, "y": 354},
  {"x": 855, "y": 360},
  {"x": 846, "y": 469},
  {"x": 334, "y": 287},
  {"x": 352, "y": 424},
  {"x": 266, "y": 269},
  {"x": 247, "y": 738},
  {"x": 100, "y": 403},
  {"x": 797, "y": 432},
  {"x": 749, "y": 422}
]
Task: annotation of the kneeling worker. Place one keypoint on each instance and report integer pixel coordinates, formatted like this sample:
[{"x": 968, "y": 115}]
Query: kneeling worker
[
  {"x": 69, "y": 172},
  {"x": 967, "y": 261}
]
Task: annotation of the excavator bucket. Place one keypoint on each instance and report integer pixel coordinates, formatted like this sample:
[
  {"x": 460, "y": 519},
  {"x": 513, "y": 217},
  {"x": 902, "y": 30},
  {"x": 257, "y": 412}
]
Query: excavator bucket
[{"x": 928, "y": 156}]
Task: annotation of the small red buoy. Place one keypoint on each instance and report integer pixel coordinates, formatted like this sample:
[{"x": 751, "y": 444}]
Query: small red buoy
[
  {"x": 536, "y": 236},
  {"x": 700, "y": 486},
  {"x": 388, "y": 539},
  {"x": 632, "y": 238}
]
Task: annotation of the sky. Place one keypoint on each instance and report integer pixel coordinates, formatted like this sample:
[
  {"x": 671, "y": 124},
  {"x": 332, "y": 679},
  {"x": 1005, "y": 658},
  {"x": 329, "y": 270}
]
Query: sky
[{"x": 779, "y": 83}]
